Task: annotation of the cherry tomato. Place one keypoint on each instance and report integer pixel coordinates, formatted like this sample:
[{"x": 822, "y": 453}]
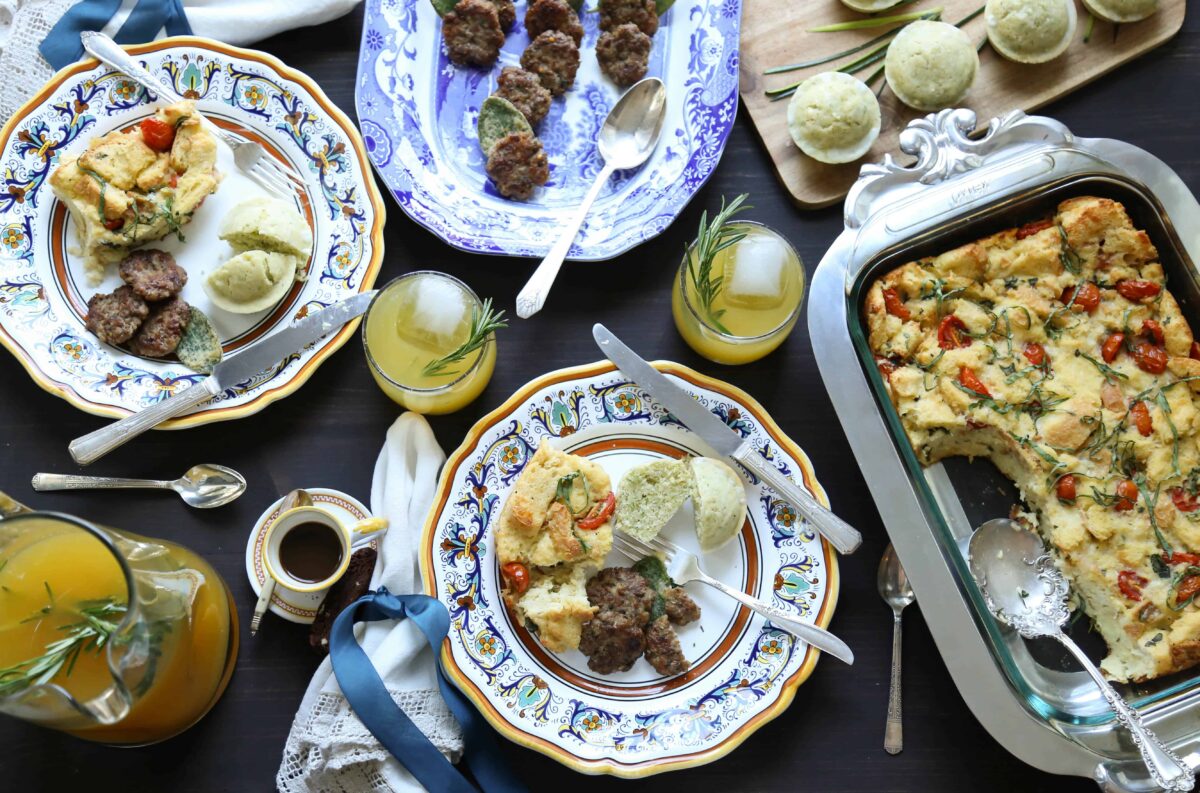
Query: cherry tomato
[
  {"x": 952, "y": 333},
  {"x": 114, "y": 224},
  {"x": 595, "y": 519},
  {"x": 1194, "y": 353},
  {"x": 1112, "y": 347},
  {"x": 1141, "y": 418},
  {"x": 1130, "y": 584},
  {"x": 971, "y": 381},
  {"x": 174, "y": 179},
  {"x": 895, "y": 306},
  {"x": 1035, "y": 353},
  {"x": 1185, "y": 502},
  {"x": 886, "y": 367},
  {"x": 1155, "y": 331},
  {"x": 1137, "y": 290},
  {"x": 1127, "y": 494},
  {"x": 517, "y": 575},
  {"x": 1188, "y": 587},
  {"x": 1150, "y": 358},
  {"x": 1029, "y": 229},
  {"x": 1087, "y": 297},
  {"x": 158, "y": 135},
  {"x": 1065, "y": 489},
  {"x": 1180, "y": 557}
]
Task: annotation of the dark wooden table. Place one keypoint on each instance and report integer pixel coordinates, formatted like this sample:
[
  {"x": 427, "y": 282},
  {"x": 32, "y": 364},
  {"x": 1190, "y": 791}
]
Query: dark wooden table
[{"x": 329, "y": 433}]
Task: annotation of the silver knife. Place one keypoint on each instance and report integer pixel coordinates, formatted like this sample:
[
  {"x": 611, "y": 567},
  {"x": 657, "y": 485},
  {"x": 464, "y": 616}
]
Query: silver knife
[
  {"x": 228, "y": 373},
  {"x": 724, "y": 439}
]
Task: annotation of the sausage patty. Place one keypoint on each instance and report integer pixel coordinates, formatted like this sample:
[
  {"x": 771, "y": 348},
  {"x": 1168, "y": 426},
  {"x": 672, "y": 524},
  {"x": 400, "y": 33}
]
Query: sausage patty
[
  {"x": 623, "y": 53},
  {"x": 525, "y": 92},
  {"x": 554, "y": 58},
  {"x": 614, "y": 13},
  {"x": 681, "y": 609},
  {"x": 543, "y": 15},
  {"x": 154, "y": 275},
  {"x": 518, "y": 165},
  {"x": 662, "y": 648},
  {"x": 160, "y": 333},
  {"x": 116, "y": 317},
  {"x": 472, "y": 33}
]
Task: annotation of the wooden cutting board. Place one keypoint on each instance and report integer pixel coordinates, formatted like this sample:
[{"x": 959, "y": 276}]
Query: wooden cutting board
[{"x": 775, "y": 33}]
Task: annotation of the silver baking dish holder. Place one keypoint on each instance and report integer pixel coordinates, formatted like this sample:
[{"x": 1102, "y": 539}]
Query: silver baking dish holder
[{"x": 965, "y": 184}]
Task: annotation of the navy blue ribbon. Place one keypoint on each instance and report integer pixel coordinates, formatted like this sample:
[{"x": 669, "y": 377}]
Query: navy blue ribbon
[
  {"x": 62, "y": 47},
  {"x": 377, "y": 710}
]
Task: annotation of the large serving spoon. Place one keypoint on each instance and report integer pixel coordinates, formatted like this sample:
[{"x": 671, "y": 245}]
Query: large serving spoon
[
  {"x": 1025, "y": 590},
  {"x": 627, "y": 139},
  {"x": 896, "y": 592},
  {"x": 203, "y": 486}
]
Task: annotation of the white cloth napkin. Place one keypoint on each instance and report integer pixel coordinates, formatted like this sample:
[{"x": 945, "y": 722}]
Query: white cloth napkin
[
  {"x": 329, "y": 750},
  {"x": 24, "y": 23}
]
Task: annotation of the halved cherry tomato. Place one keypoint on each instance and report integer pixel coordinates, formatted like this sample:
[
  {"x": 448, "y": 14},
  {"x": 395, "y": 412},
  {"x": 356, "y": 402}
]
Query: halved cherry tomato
[
  {"x": 1185, "y": 502},
  {"x": 1065, "y": 489},
  {"x": 517, "y": 575},
  {"x": 1112, "y": 347},
  {"x": 952, "y": 333},
  {"x": 1181, "y": 557},
  {"x": 1029, "y": 229},
  {"x": 1188, "y": 587},
  {"x": 1035, "y": 353},
  {"x": 1152, "y": 329},
  {"x": 114, "y": 224},
  {"x": 1136, "y": 290},
  {"x": 1087, "y": 297},
  {"x": 895, "y": 306},
  {"x": 886, "y": 367},
  {"x": 174, "y": 179},
  {"x": 595, "y": 519},
  {"x": 158, "y": 135},
  {"x": 1130, "y": 584},
  {"x": 1127, "y": 495},
  {"x": 1150, "y": 358},
  {"x": 1141, "y": 418},
  {"x": 971, "y": 381},
  {"x": 1194, "y": 353}
]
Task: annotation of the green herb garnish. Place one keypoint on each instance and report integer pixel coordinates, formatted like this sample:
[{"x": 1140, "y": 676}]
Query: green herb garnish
[
  {"x": 1067, "y": 255},
  {"x": 1110, "y": 374},
  {"x": 711, "y": 240},
  {"x": 875, "y": 22},
  {"x": 484, "y": 322},
  {"x": 99, "y": 622},
  {"x": 565, "y": 492}
]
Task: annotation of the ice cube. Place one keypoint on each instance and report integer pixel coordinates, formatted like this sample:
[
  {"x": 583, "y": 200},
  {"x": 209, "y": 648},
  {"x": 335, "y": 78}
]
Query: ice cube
[
  {"x": 754, "y": 279},
  {"x": 434, "y": 314}
]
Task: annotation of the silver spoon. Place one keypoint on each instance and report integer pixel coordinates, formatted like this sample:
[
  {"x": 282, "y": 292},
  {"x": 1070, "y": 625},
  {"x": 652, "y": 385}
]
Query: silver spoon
[
  {"x": 1025, "y": 590},
  {"x": 895, "y": 591},
  {"x": 203, "y": 486},
  {"x": 626, "y": 140},
  {"x": 296, "y": 498}
]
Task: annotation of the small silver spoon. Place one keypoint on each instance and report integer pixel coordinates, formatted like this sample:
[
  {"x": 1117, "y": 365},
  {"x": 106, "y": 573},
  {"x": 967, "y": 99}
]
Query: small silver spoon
[
  {"x": 1025, "y": 590},
  {"x": 895, "y": 591},
  {"x": 203, "y": 486},
  {"x": 626, "y": 140}
]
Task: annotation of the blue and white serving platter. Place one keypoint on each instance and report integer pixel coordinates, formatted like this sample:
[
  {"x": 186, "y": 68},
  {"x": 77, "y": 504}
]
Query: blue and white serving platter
[
  {"x": 744, "y": 671},
  {"x": 417, "y": 113}
]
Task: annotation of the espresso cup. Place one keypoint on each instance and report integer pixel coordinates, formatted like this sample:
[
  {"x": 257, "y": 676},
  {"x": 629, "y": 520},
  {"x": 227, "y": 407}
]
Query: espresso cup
[{"x": 307, "y": 549}]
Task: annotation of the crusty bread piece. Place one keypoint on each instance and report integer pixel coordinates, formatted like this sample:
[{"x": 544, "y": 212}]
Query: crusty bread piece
[
  {"x": 650, "y": 494},
  {"x": 557, "y": 605}
]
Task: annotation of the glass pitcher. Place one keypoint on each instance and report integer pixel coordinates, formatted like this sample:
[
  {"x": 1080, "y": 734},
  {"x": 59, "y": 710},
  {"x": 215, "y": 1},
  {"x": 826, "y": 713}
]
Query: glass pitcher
[{"x": 107, "y": 635}]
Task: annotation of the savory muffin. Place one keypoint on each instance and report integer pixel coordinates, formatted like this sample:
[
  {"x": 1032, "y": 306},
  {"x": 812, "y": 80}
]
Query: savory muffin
[
  {"x": 931, "y": 65},
  {"x": 833, "y": 117},
  {"x": 1118, "y": 11},
  {"x": 869, "y": 6},
  {"x": 1030, "y": 31},
  {"x": 1055, "y": 350}
]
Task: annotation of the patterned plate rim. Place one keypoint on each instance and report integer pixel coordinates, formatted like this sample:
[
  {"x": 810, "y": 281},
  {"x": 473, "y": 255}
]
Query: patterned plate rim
[
  {"x": 334, "y": 113},
  {"x": 655, "y": 765}
]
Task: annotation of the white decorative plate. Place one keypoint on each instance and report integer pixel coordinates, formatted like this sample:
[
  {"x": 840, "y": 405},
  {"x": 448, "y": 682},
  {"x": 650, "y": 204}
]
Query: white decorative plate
[
  {"x": 43, "y": 288},
  {"x": 744, "y": 671},
  {"x": 417, "y": 113}
]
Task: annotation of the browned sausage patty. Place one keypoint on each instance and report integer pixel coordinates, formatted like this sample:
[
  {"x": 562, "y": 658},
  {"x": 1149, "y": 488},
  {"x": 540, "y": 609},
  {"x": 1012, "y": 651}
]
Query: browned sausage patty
[
  {"x": 506, "y": 12},
  {"x": 472, "y": 33},
  {"x": 681, "y": 609},
  {"x": 115, "y": 318},
  {"x": 154, "y": 275},
  {"x": 623, "y": 53},
  {"x": 612, "y": 642},
  {"x": 160, "y": 333},
  {"x": 621, "y": 590},
  {"x": 554, "y": 58},
  {"x": 614, "y": 13},
  {"x": 543, "y": 15},
  {"x": 518, "y": 165},
  {"x": 525, "y": 92},
  {"x": 662, "y": 648}
]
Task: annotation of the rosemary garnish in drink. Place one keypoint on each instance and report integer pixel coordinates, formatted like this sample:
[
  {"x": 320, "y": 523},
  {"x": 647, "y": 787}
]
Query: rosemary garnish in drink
[
  {"x": 100, "y": 619},
  {"x": 484, "y": 322},
  {"x": 711, "y": 240}
]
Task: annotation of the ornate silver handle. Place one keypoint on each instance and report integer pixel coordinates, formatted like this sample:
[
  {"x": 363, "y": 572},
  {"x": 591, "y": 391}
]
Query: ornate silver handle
[
  {"x": 109, "y": 52},
  {"x": 94, "y": 445},
  {"x": 533, "y": 296},
  {"x": 46, "y": 482},
  {"x": 841, "y": 534},
  {"x": 1167, "y": 770},
  {"x": 893, "y": 733},
  {"x": 818, "y": 637}
]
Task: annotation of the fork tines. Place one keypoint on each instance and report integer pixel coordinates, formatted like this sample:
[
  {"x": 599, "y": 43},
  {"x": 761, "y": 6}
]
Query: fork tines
[{"x": 636, "y": 548}]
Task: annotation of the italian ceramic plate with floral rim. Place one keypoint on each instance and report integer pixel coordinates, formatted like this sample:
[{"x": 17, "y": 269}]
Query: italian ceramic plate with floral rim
[
  {"x": 417, "y": 112},
  {"x": 744, "y": 671},
  {"x": 43, "y": 286}
]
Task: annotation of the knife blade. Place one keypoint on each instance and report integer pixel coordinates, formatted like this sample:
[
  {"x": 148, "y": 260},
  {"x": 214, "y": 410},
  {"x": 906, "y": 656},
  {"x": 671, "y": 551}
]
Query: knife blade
[
  {"x": 724, "y": 439},
  {"x": 228, "y": 373}
]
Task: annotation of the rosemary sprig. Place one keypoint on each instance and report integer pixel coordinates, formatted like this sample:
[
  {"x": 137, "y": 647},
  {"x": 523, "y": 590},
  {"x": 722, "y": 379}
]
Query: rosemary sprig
[
  {"x": 875, "y": 22},
  {"x": 99, "y": 622},
  {"x": 710, "y": 240},
  {"x": 484, "y": 322}
]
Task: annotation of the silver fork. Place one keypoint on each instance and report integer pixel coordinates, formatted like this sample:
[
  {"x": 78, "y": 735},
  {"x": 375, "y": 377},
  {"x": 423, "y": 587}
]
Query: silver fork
[
  {"x": 251, "y": 158},
  {"x": 684, "y": 567}
]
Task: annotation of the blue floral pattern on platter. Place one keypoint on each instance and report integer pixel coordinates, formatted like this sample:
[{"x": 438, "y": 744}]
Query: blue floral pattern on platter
[
  {"x": 417, "y": 112},
  {"x": 41, "y": 326},
  {"x": 581, "y": 725}
]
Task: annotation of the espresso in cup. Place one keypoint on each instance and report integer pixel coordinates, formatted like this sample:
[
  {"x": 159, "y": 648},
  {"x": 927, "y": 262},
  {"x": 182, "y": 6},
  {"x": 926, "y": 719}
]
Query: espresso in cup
[
  {"x": 310, "y": 552},
  {"x": 307, "y": 549}
]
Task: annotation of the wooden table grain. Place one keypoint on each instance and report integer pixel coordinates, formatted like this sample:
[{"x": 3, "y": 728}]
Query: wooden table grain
[{"x": 328, "y": 434}]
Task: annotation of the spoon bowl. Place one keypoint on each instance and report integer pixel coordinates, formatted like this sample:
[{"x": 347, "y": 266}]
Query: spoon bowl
[{"x": 206, "y": 486}]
